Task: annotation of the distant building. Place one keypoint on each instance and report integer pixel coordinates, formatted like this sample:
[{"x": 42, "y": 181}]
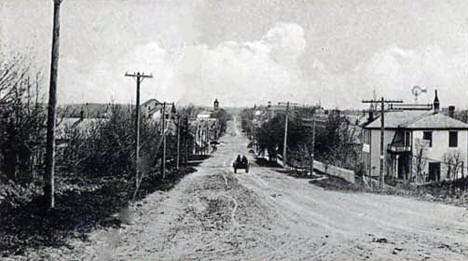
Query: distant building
[
  {"x": 82, "y": 125},
  {"x": 150, "y": 108},
  {"x": 204, "y": 115},
  {"x": 206, "y": 129},
  {"x": 431, "y": 143}
]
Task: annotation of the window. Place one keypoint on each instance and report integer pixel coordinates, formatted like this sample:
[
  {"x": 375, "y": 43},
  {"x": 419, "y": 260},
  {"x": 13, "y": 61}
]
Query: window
[
  {"x": 453, "y": 139},
  {"x": 427, "y": 135},
  {"x": 407, "y": 139}
]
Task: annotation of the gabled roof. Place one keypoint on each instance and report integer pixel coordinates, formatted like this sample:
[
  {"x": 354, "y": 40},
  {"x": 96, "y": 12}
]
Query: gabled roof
[
  {"x": 151, "y": 101},
  {"x": 82, "y": 125},
  {"x": 417, "y": 120},
  {"x": 437, "y": 121}
]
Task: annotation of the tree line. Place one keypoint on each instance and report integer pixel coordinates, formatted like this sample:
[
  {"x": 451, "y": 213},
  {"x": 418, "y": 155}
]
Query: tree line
[
  {"x": 86, "y": 148},
  {"x": 335, "y": 136}
]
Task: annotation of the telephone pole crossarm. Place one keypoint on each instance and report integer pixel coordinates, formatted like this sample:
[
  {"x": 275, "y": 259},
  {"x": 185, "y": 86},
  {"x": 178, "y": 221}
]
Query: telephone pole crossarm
[{"x": 139, "y": 75}]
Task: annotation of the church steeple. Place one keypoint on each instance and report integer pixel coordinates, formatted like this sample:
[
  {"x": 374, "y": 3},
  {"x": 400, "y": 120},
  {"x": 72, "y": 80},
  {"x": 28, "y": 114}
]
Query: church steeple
[{"x": 216, "y": 105}]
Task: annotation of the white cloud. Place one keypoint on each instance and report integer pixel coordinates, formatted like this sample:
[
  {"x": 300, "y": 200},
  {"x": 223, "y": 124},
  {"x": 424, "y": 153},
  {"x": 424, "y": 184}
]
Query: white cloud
[
  {"x": 254, "y": 72},
  {"x": 237, "y": 73}
]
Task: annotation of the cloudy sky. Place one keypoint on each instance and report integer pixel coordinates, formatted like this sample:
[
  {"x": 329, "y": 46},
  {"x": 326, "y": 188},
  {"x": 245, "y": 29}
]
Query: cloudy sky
[{"x": 247, "y": 52}]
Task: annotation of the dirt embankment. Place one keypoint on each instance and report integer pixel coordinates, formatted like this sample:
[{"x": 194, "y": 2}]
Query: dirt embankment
[{"x": 81, "y": 206}]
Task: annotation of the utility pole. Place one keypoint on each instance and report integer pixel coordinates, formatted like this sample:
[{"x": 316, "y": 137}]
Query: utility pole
[
  {"x": 186, "y": 140},
  {"x": 382, "y": 103},
  {"x": 312, "y": 152},
  {"x": 207, "y": 138},
  {"x": 382, "y": 138},
  {"x": 285, "y": 140},
  {"x": 164, "y": 140},
  {"x": 49, "y": 187},
  {"x": 164, "y": 137},
  {"x": 178, "y": 142},
  {"x": 139, "y": 78}
]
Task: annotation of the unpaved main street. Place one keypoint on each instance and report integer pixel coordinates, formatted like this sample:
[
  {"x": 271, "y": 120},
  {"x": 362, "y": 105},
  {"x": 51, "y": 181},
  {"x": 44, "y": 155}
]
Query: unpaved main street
[{"x": 264, "y": 215}]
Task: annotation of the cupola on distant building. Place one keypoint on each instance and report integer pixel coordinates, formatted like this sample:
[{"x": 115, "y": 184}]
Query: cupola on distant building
[{"x": 216, "y": 105}]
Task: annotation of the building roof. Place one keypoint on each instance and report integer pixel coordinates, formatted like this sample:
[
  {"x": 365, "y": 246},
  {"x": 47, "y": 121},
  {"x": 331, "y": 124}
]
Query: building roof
[
  {"x": 417, "y": 120},
  {"x": 91, "y": 110},
  {"x": 151, "y": 102},
  {"x": 82, "y": 125}
]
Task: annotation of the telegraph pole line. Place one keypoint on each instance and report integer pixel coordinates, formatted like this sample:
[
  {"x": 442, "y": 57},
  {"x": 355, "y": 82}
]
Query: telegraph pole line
[
  {"x": 382, "y": 103},
  {"x": 49, "y": 187},
  {"x": 139, "y": 78}
]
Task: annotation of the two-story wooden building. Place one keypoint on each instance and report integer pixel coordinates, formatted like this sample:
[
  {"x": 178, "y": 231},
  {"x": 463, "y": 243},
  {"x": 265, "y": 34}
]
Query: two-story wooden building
[{"x": 418, "y": 145}]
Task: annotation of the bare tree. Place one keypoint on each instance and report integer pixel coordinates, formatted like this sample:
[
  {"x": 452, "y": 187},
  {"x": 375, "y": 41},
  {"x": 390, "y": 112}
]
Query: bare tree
[
  {"x": 454, "y": 163},
  {"x": 21, "y": 121},
  {"x": 419, "y": 161}
]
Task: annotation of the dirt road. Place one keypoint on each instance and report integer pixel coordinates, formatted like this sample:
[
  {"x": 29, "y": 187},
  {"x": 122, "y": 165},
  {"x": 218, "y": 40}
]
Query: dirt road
[{"x": 263, "y": 215}]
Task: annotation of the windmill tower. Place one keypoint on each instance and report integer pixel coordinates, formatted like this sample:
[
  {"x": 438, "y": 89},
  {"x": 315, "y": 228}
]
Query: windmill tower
[{"x": 416, "y": 91}]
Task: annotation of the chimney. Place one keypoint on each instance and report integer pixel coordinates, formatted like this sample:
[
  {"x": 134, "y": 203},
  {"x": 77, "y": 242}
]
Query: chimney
[
  {"x": 451, "y": 109},
  {"x": 436, "y": 103},
  {"x": 371, "y": 116}
]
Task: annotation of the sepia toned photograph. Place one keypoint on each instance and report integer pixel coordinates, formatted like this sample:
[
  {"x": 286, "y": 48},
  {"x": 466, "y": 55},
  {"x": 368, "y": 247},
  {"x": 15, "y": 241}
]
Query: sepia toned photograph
[{"x": 324, "y": 130}]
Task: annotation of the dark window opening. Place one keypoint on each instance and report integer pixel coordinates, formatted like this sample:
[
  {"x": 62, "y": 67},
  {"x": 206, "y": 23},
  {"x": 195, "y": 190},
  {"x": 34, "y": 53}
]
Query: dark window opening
[
  {"x": 453, "y": 139},
  {"x": 434, "y": 171},
  {"x": 428, "y": 136},
  {"x": 407, "y": 139}
]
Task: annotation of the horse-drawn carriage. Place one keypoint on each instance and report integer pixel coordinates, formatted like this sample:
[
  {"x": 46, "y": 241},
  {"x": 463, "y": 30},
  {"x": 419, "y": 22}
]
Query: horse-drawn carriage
[{"x": 241, "y": 163}]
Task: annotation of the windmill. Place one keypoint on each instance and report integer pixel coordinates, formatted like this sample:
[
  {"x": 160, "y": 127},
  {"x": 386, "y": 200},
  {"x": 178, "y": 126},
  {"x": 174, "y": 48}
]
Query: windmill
[{"x": 416, "y": 91}]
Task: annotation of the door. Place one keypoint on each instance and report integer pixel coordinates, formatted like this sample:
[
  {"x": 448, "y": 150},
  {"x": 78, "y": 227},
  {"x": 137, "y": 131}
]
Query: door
[
  {"x": 434, "y": 171},
  {"x": 403, "y": 166}
]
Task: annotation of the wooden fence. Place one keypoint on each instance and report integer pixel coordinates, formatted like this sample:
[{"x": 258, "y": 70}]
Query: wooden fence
[{"x": 331, "y": 170}]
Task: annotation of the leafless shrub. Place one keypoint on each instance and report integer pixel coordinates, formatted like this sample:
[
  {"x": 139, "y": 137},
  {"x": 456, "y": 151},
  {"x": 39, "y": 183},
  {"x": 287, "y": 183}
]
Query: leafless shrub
[
  {"x": 419, "y": 162},
  {"x": 22, "y": 121},
  {"x": 454, "y": 163}
]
